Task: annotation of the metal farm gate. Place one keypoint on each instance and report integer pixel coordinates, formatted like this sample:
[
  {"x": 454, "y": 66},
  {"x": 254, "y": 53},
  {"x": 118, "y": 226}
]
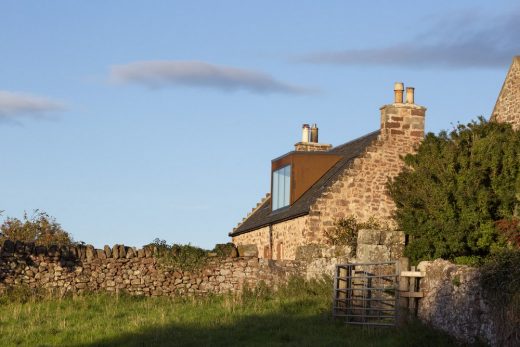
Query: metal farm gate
[{"x": 367, "y": 293}]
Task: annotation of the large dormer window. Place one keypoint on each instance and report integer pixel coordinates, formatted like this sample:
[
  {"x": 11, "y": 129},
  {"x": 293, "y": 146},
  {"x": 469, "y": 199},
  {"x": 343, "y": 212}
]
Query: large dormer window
[{"x": 281, "y": 187}]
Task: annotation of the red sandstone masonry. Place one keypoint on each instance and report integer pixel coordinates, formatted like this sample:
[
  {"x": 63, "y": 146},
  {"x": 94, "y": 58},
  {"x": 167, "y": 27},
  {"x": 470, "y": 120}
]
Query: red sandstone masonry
[
  {"x": 80, "y": 269},
  {"x": 507, "y": 107},
  {"x": 361, "y": 189}
]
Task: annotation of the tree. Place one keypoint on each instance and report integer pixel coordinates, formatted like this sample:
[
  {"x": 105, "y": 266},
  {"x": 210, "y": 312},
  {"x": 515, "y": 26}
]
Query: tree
[
  {"x": 457, "y": 192},
  {"x": 40, "y": 228}
]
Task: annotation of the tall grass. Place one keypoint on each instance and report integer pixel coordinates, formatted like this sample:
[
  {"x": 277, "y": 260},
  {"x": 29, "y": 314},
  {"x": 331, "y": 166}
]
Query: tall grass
[{"x": 296, "y": 315}]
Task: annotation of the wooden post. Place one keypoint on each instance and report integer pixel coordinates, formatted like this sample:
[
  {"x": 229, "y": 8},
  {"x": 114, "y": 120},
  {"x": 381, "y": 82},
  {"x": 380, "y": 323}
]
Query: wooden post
[
  {"x": 402, "y": 265},
  {"x": 412, "y": 289}
]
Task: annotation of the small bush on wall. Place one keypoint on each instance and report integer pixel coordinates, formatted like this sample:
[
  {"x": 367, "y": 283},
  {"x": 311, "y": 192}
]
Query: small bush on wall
[
  {"x": 345, "y": 232},
  {"x": 39, "y": 228},
  {"x": 182, "y": 257},
  {"x": 459, "y": 196}
]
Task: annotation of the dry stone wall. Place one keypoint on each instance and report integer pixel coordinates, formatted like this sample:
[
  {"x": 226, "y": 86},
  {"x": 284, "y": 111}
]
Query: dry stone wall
[
  {"x": 454, "y": 301},
  {"x": 379, "y": 245},
  {"x": 79, "y": 269}
]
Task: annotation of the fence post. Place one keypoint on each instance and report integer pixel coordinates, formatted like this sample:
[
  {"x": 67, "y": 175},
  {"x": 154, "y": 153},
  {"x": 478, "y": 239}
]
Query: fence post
[
  {"x": 412, "y": 289},
  {"x": 402, "y": 265}
]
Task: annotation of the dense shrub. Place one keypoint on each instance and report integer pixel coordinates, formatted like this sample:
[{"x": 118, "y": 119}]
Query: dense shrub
[
  {"x": 39, "y": 228},
  {"x": 458, "y": 197},
  {"x": 183, "y": 257}
]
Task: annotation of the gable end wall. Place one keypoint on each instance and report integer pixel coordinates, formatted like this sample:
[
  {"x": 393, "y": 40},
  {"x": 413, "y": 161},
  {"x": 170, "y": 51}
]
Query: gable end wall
[
  {"x": 507, "y": 108},
  {"x": 361, "y": 189}
]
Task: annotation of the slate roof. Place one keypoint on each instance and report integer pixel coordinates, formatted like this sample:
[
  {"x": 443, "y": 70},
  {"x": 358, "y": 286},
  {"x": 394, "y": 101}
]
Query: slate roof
[{"x": 263, "y": 216}]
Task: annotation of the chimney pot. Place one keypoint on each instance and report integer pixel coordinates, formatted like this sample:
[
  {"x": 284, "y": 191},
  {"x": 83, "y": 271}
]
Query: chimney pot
[
  {"x": 314, "y": 133},
  {"x": 409, "y": 95},
  {"x": 398, "y": 92},
  {"x": 305, "y": 133}
]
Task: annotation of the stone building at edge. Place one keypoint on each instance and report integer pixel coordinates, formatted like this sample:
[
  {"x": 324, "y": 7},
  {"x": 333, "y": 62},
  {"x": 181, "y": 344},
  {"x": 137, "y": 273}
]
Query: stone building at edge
[{"x": 316, "y": 184}]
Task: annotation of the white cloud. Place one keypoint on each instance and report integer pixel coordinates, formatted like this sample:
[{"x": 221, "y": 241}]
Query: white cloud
[
  {"x": 162, "y": 74},
  {"x": 15, "y": 106}
]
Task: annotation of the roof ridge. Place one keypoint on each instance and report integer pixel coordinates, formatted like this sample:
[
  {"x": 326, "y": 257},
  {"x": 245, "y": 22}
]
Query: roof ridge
[{"x": 355, "y": 140}]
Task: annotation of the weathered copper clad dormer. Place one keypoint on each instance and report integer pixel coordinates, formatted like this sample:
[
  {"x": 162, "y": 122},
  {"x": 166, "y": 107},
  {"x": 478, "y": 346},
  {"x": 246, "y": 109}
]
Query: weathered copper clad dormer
[{"x": 295, "y": 172}]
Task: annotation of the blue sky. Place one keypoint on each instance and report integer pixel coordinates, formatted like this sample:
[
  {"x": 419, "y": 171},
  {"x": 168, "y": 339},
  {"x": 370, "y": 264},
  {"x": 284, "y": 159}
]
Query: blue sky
[{"x": 131, "y": 120}]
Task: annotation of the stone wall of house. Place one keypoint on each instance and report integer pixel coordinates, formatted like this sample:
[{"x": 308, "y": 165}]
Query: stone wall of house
[
  {"x": 454, "y": 302},
  {"x": 361, "y": 189},
  {"x": 286, "y": 237},
  {"x": 259, "y": 237},
  {"x": 82, "y": 268},
  {"x": 507, "y": 108}
]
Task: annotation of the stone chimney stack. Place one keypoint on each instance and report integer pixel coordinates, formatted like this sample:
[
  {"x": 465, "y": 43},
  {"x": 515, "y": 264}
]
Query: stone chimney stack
[
  {"x": 309, "y": 141},
  {"x": 403, "y": 122}
]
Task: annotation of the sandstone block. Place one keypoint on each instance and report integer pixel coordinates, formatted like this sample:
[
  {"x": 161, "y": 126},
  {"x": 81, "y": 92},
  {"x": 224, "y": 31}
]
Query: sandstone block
[
  {"x": 115, "y": 252},
  {"x": 90, "y": 252},
  {"x": 250, "y": 250},
  {"x": 370, "y": 237},
  {"x": 108, "y": 251},
  {"x": 40, "y": 250},
  {"x": 309, "y": 252},
  {"x": 122, "y": 251},
  {"x": 130, "y": 253}
]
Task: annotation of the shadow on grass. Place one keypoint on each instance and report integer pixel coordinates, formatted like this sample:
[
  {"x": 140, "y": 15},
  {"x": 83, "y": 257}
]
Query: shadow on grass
[{"x": 286, "y": 327}]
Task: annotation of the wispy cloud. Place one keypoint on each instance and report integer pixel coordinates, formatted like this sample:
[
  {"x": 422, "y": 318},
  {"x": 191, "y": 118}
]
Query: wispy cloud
[
  {"x": 16, "y": 106},
  {"x": 465, "y": 40},
  {"x": 163, "y": 74}
]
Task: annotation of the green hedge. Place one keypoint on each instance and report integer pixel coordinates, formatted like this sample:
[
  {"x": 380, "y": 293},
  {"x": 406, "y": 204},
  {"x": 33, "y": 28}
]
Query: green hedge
[{"x": 458, "y": 197}]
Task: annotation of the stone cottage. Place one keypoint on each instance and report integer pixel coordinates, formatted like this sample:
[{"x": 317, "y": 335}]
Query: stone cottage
[{"x": 316, "y": 184}]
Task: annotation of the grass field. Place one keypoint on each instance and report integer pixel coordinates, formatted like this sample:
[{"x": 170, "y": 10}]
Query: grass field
[{"x": 297, "y": 315}]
